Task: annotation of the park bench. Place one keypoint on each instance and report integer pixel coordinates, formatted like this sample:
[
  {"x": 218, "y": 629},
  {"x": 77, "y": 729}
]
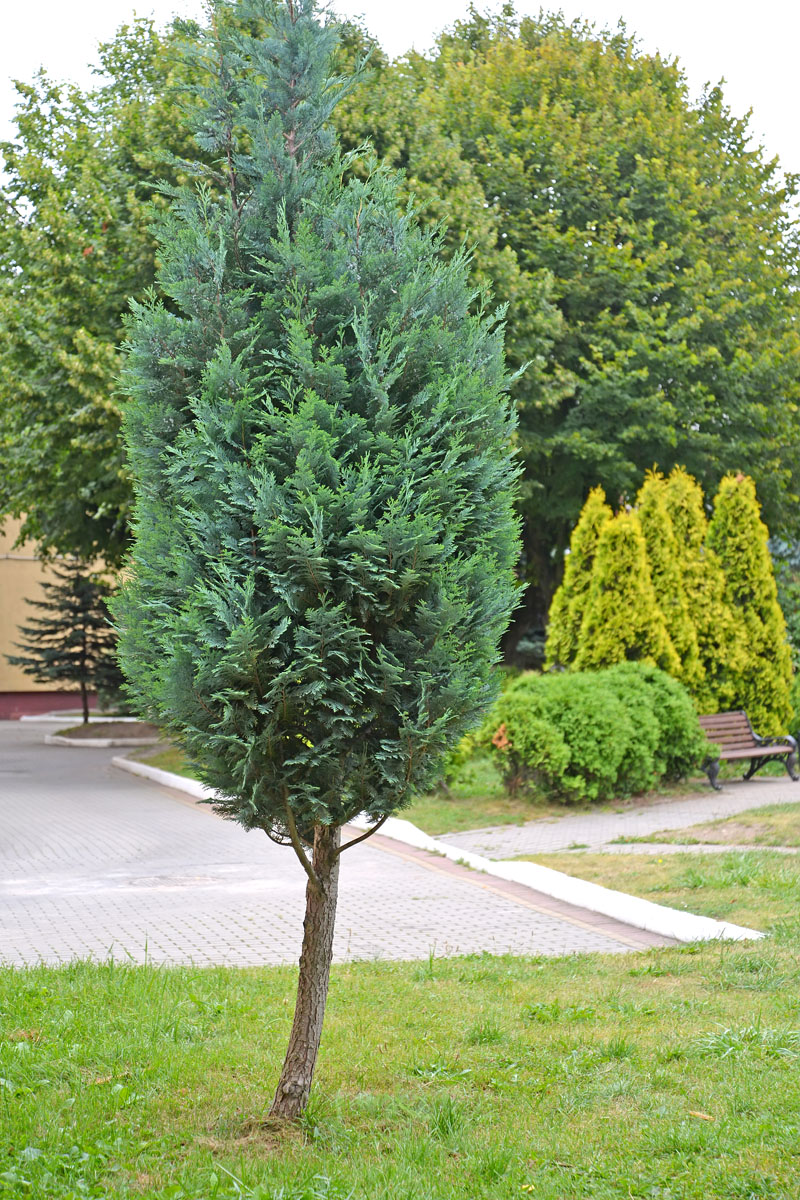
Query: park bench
[{"x": 734, "y": 735}]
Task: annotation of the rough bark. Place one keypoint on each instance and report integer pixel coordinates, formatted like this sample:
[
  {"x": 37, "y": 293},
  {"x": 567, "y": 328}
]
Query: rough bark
[{"x": 294, "y": 1085}]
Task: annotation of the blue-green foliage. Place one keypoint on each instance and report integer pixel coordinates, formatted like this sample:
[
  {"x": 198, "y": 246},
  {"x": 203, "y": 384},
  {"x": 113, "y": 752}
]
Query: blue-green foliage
[
  {"x": 319, "y": 433},
  {"x": 594, "y": 735}
]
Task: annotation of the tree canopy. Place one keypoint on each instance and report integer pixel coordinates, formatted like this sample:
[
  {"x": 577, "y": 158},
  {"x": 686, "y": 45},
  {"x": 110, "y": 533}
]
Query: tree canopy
[
  {"x": 648, "y": 250},
  {"x": 74, "y": 247}
]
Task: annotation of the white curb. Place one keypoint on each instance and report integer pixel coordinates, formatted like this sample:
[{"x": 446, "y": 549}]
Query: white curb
[
  {"x": 166, "y": 778},
  {"x": 75, "y": 717},
  {"x": 641, "y": 914},
  {"x": 59, "y": 739}
]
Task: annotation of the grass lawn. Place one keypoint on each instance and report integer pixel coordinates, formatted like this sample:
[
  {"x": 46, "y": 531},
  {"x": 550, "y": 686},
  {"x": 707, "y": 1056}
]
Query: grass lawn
[
  {"x": 772, "y": 825},
  {"x": 759, "y": 889},
  {"x": 671, "y": 1074}
]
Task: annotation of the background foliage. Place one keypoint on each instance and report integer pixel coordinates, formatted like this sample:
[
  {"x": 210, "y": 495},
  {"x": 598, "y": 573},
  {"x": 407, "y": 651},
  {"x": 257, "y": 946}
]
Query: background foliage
[
  {"x": 648, "y": 253},
  {"x": 726, "y": 637}
]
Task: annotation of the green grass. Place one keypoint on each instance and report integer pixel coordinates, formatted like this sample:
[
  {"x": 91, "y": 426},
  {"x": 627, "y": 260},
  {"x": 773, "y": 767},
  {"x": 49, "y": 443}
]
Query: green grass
[
  {"x": 166, "y": 758},
  {"x": 759, "y": 889},
  {"x": 772, "y": 825},
  {"x": 673, "y": 1073}
]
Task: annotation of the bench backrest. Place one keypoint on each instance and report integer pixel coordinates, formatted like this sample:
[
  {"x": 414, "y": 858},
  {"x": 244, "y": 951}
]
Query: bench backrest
[{"x": 730, "y": 730}]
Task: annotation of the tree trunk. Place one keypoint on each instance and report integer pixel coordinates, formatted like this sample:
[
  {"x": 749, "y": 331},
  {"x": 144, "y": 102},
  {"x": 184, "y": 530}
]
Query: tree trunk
[
  {"x": 294, "y": 1085},
  {"x": 85, "y": 702}
]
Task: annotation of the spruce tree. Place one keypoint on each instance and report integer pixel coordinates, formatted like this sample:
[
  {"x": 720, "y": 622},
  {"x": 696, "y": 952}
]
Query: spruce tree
[
  {"x": 72, "y": 644},
  {"x": 320, "y": 440},
  {"x": 740, "y": 538},
  {"x": 721, "y": 638},
  {"x": 569, "y": 603},
  {"x": 663, "y": 560},
  {"x": 622, "y": 620}
]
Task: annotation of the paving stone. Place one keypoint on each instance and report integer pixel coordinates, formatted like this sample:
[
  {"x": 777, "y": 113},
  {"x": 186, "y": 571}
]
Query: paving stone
[{"x": 95, "y": 862}]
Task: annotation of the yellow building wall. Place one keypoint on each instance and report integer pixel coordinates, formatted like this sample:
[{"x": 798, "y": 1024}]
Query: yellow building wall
[{"x": 20, "y": 578}]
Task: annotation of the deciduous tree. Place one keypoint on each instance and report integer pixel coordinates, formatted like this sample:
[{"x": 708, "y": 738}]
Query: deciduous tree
[
  {"x": 75, "y": 244},
  {"x": 648, "y": 249}
]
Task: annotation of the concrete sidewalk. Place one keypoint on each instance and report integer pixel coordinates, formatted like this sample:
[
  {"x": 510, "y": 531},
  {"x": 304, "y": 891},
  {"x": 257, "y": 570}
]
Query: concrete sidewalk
[
  {"x": 95, "y": 862},
  {"x": 595, "y": 830}
]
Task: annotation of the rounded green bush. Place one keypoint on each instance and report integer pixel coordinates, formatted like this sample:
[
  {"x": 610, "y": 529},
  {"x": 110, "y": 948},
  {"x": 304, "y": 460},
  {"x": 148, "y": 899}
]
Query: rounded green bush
[
  {"x": 594, "y": 735},
  {"x": 682, "y": 743}
]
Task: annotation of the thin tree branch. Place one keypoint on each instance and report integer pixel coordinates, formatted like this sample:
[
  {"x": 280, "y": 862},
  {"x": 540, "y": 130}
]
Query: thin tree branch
[
  {"x": 297, "y": 846},
  {"x": 362, "y": 837}
]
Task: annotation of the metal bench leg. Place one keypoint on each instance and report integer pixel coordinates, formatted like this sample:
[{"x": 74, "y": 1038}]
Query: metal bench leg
[
  {"x": 791, "y": 765},
  {"x": 755, "y": 765},
  {"x": 711, "y": 768}
]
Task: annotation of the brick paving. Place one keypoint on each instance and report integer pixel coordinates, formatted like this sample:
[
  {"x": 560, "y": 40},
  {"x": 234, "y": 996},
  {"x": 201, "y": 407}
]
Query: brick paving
[
  {"x": 95, "y": 862},
  {"x": 596, "y": 830}
]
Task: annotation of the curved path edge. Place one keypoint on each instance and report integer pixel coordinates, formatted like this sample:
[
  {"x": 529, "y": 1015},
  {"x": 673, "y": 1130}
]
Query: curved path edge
[{"x": 631, "y": 910}]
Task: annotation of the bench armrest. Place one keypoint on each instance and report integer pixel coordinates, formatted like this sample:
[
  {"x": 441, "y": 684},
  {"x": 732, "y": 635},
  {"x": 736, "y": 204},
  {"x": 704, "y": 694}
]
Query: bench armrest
[{"x": 786, "y": 740}]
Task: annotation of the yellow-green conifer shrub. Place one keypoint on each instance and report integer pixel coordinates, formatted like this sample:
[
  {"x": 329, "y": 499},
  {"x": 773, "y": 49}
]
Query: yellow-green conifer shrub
[
  {"x": 739, "y": 537},
  {"x": 718, "y": 627},
  {"x": 623, "y": 621},
  {"x": 569, "y": 603},
  {"x": 662, "y": 556}
]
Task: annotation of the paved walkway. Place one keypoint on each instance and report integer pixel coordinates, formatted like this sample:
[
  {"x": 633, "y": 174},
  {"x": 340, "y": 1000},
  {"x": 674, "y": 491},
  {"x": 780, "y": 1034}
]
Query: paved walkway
[
  {"x": 96, "y": 862},
  {"x": 598, "y": 830}
]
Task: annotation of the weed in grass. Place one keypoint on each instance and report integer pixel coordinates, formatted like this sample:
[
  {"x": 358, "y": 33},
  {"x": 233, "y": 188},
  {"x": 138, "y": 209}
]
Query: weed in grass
[
  {"x": 755, "y": 1040},
  {"x": 750, "y": 972},
  {"x": 427, "y": 969},
  {"x": 440, "y": 1070},
  {"x": 485, "y": 1033},
  {"x": 490, "y": 1164},
  {"x": 549, "y": 1012},
  {"x": 447, "y": 1118}
]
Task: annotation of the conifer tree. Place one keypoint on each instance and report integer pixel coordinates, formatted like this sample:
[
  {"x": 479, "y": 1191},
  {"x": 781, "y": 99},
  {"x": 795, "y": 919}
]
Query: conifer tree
[
  {"x": 321, "y": 445},
  {"x": 720, "y": 631},
  {"x": 569, "y": 602},
  {"x": 72, "y": 644},
  {"x": 622, "y": 620},
  {"x": 740, "y": 538},
  {"x": 665, "y": 571}
]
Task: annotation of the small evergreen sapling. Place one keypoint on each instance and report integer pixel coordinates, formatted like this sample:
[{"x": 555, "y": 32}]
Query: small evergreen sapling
[
  {"x": 622, "y": 620},
  {"x": 569, "y": 603},
  {"x": 663, "y": 559},
  {"x": 321, "y": 445},
  {"x": 719, "y": 627},
  {"x": 72, "y": 644},
  {"x": 740, "y": 539}
]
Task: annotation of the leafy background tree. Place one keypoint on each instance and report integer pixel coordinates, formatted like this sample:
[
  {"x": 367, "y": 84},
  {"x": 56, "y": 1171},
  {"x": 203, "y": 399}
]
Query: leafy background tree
[
  {"x": 74, "y": 246},
  {"x": 72, "y": 644},
  {"x": 321, "y": 444},
  {"x": 649, "y": 254}
]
